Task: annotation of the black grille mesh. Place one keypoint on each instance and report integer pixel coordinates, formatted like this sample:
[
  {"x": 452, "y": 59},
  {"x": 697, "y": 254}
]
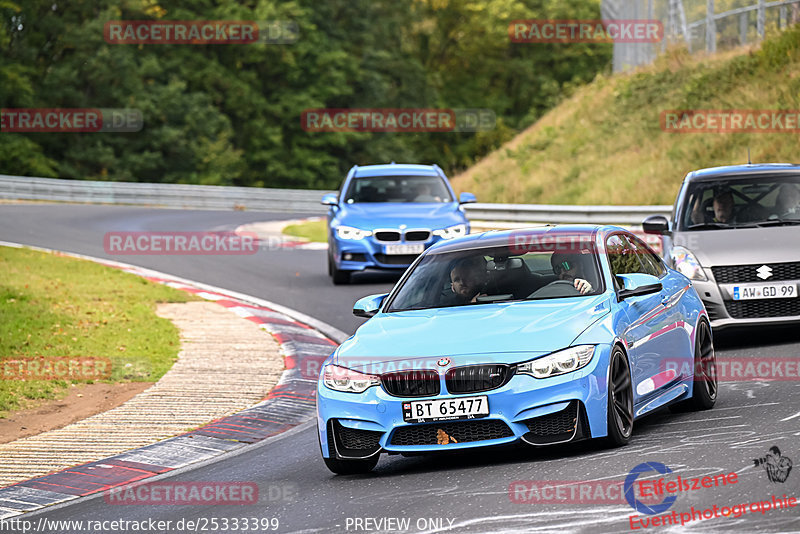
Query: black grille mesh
[
  {"x": 714, "y": 310},
  {"x": 354, "y": 439},
  {"x": 460, "y": 431},
  {"x": 422, "y": 383},
  {"x": 729, "y": 274},
  {"x": 476, "y": 378},
  {"x": 751, "y": 309},
  {"x": 387, "y": 236},
  {"x": 562, "y": 422},
  {"x": 417, "y": 235},
  {"x": 395, "y": 259}
]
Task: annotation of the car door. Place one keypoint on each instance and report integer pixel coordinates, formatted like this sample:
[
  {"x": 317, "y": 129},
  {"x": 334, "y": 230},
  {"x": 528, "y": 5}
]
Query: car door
[
  {"x": 675, "y": 337},
  {"x": 648, "y": 319}
]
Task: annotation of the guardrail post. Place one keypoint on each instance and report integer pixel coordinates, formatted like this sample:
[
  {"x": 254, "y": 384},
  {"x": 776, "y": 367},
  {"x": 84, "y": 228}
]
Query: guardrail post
[
  {"x": 760, "y": 19},
  {"x": 711, "y": 28},
  {"x": 743, "y": 28},
  {"x": 783, "y": 18}
]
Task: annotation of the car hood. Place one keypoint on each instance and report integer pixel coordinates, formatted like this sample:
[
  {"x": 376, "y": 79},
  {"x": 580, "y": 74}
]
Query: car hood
[
  {"x": 743, "y": 246},
  {"x": 369, "y": 216},
  {"x": 486, "y": 333}
]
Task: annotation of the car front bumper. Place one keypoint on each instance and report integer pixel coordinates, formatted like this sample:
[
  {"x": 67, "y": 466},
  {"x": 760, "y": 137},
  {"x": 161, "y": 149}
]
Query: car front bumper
[
  {"x": 724, "y": 312},
  {"x": 537, "y": 411},
  {"x": 367, "y": 253}
]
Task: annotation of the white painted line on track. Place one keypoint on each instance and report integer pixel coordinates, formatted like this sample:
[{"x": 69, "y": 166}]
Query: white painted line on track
[{"x": 791, "y": 417}]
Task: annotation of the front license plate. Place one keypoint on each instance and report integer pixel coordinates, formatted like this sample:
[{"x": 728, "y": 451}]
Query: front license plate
[
  {"x": 417, "y": 248},
  {"x": 764, "y": 291},
  {"x": 445, "y": 409}
]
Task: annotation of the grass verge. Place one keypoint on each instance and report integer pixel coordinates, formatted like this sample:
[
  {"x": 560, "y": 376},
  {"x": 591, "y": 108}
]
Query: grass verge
[
  {"x": 54, "y": 306},
  {"x": 605, "y": 145},
  {"x": 316, "y": 231}
]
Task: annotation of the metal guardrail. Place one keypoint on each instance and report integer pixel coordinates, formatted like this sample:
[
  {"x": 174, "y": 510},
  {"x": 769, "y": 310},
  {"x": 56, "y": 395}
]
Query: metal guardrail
[
  {"x": 287, "y": 200},
  {"x": 551, "y": 213},
  {"x": 167, "y": 195}
]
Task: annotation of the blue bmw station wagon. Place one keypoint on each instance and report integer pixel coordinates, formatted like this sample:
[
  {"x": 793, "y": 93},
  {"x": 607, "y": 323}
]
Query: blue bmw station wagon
[{"x": 384, "y": 216}]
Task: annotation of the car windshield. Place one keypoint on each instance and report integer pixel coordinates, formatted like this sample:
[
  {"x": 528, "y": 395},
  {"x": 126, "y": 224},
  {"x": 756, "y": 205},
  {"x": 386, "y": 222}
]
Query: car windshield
[
  {"x": 751, "y": 202},
  {"x": 397, "y": 189},
  {"x": 500, "y": 274}
]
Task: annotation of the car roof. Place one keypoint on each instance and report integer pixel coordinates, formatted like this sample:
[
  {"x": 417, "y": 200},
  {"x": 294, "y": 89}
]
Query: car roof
[
  {"x": 500, "y": 238},
  {"x": 394, "y": 169},
  {"x": 742, "y": 171}
]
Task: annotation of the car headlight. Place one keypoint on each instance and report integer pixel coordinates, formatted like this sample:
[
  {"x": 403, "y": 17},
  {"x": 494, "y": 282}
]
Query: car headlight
[
  {"x": 558, "y": 363},
  {"x": 686, "y": 264},
  {"x": 348, "y": 232},
  {"x": 452, "y": 232},
  {"x": 344, "y": 379}
]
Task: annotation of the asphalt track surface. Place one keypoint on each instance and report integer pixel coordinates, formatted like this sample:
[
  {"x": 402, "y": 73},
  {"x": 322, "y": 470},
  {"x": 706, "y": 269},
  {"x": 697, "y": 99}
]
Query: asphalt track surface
[{"x": 469, "y": 492}]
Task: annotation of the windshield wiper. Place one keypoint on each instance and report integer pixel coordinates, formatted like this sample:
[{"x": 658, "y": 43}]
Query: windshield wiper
[{"x": 708, "y": 226}]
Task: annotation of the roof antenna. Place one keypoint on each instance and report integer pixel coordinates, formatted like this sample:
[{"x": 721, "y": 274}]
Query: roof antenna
[{"x": 748, "y": 156}]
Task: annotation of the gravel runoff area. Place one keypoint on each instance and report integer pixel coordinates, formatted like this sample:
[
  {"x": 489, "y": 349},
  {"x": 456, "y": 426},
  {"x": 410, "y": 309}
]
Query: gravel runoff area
[{"x": 226, "y": 363}]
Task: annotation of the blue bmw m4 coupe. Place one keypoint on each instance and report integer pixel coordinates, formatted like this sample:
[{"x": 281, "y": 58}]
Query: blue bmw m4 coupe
[
  {"x": 545, "y": 336},
  {"x": 384, "y": 216}
]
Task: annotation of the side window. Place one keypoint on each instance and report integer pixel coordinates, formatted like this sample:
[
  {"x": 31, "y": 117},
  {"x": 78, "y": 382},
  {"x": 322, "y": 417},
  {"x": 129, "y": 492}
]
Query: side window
[
  {"x": 651, "y": 264},
  {"x": 622, "y": 256}
]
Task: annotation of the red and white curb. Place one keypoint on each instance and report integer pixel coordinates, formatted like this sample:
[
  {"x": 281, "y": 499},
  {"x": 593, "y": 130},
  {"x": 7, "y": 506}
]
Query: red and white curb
[{"x": 304, "y": 343}]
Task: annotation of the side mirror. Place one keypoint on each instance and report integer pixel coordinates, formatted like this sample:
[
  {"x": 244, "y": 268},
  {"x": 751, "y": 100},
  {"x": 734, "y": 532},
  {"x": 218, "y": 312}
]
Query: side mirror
[
  {"x": 636, "y": 285},
  {"x": 466, "y": 198},
  {"x": 330, "y": 199},
  {"x": 368, "y": 306},
  {"x": 656, "y": 224}
]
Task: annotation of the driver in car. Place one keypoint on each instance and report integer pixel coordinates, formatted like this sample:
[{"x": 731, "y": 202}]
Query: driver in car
[
  {"x": 468, "y": 279},
  {"x": 571, "y": 272},
  {"x": 424, "y": 194},
  {"x": 569, "y": 267},
  {"x": 723, "y": 205}
]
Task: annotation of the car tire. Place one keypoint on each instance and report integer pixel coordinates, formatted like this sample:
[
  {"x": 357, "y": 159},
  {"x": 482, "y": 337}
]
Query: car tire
[
  {"x": 352, "y": 467},
  {"x": 706, "y": 386},
  {"x": 338, "y": 276},
  {"x": 620, "y": 399}
]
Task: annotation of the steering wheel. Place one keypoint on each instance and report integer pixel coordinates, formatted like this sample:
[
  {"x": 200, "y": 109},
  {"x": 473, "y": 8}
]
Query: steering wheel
[{"x": 566, "y": 283}]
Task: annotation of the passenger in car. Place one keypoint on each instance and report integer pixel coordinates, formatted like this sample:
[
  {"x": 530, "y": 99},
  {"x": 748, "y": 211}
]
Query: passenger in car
[{"x": 787, "y": 206}]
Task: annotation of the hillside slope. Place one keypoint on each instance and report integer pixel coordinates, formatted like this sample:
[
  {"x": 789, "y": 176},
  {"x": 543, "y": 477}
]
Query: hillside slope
[{"x": 605, "y": 145}]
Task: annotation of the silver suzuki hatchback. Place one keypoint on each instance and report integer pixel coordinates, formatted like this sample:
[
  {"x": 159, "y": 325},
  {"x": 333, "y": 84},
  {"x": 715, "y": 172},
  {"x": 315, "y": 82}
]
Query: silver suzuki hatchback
[{"x": 735, "y": 233}]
